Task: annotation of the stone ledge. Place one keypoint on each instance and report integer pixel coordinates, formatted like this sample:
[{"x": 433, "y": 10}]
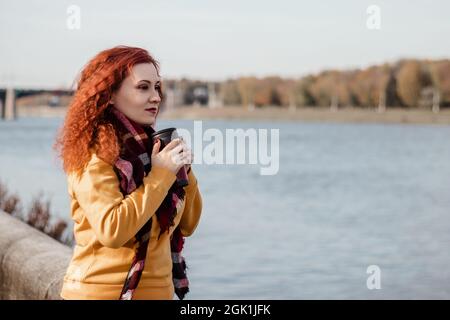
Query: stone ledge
[{"x": 32, "y": 265}]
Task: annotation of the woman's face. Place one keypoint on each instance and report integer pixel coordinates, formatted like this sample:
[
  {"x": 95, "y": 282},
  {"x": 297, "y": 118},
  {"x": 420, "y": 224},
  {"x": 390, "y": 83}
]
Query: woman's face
[{"x": 138, "y": 96}]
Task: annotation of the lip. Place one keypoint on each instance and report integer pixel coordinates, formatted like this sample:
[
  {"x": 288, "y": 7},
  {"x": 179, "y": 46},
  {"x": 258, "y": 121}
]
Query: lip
[{"x": 151, "y": 110}]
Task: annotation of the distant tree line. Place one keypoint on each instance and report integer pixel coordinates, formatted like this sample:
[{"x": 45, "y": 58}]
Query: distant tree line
[{"x": 407, "y": 83}]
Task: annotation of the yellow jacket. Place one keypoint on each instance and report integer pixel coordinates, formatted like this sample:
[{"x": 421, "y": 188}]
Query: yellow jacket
[{"x": 106, "y": 223}]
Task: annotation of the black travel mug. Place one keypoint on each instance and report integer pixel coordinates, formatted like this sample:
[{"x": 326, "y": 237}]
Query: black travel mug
[{"x": 165, "y": 136}]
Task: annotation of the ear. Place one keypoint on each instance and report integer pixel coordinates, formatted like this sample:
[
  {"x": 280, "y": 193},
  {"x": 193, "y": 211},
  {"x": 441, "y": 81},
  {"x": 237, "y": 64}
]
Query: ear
[{"x": 113, "y": 98}]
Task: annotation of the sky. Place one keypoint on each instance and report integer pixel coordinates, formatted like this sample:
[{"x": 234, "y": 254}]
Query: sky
[{"x": 216, "y": 40}]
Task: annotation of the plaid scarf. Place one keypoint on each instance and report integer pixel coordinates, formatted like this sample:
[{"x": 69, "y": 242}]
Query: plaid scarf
[{"x": 132, "y": 164}]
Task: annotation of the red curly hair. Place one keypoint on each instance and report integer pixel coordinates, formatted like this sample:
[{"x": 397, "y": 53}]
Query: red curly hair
[{"x": 89, "y": 123}]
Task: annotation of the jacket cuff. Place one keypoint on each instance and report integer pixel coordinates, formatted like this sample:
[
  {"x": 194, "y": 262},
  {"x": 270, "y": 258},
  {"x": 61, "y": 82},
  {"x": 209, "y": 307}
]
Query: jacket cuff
[
  {"x": 162, "y": 176},
  {"x": 192, "y": 180}
]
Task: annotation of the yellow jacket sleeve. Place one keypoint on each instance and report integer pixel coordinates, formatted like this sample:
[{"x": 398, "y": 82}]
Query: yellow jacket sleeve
[
  {"x": 115, "y": 219},
  {"x": 193, "y": 207}
]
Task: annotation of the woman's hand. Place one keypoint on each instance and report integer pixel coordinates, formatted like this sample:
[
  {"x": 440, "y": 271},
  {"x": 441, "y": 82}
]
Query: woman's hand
[
  {"x": 190, "y": 157},
  {"x": 173, "y": 156}
]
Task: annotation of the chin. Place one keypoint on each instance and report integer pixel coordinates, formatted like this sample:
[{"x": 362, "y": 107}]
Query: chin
[{"x": 149, "y": 123}]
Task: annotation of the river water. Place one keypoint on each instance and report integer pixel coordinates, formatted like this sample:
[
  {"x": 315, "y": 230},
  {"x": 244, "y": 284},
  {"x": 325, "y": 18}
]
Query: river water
[{"x": 346, "y": 197}]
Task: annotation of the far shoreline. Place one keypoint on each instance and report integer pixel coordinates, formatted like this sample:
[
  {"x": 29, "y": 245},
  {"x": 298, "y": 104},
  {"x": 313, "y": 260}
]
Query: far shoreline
[
  {"x": 301, "y": 114},
  {"x": 311, "y": 114}
]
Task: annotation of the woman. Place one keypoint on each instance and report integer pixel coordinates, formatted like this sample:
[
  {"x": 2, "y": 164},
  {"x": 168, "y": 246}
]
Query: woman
[{"x": 130, "y": 215}]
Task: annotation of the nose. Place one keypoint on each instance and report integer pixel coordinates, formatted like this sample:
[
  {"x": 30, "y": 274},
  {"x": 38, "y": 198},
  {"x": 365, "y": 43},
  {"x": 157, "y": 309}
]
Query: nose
[{"x": 154, "y": 97}]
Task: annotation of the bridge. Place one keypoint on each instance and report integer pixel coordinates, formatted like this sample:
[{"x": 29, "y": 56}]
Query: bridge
[
  {"x": 200, "y": 94},
  {"x": 7, "y": 104},
  {"x": 9, "y": 95}
]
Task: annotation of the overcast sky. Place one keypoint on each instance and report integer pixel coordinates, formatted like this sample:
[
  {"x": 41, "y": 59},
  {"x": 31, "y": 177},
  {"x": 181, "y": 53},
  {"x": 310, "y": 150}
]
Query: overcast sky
[{"x": 215, "y": 40}]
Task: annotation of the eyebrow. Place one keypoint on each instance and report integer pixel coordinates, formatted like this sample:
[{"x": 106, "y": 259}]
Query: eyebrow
[{"x": 148, "y": 81}]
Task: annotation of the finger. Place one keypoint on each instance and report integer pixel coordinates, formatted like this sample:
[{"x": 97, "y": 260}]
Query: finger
[
  {"x": 185, "y": 147},
  {"x": 176, "y": 150},
  {"x": 184, "y": 142},
  {"x": 156, "y": 147},
  {"x": 188, "y": 156},
  {"x": 185, "y": 160},
  {"x": 172, "y": 144},
  {"x": 178, "y": 159},
  {"x": 185, "y": 156}
]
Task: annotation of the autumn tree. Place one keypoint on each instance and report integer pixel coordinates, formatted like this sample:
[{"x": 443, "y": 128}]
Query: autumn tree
[
  {"x": 328, "y": 88},
  {"x": 247, "y": 87},
  {"x": 301, "y": 92},
  {"x": 368, "y": 87},
  {"x": 229, "y": 92},
  {"x": 440, "y": 77},
  {"x": 410, "y": 81}
]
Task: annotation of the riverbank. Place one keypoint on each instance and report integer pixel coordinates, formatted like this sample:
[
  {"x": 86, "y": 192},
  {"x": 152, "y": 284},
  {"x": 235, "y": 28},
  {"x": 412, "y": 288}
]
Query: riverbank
[
  {"x": 316, "y": 114},
  {"x": 353, "y": 115}
]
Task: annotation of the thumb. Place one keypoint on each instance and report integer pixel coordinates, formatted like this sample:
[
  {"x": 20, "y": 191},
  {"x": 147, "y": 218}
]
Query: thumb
[{"x": 156, "y": 147}]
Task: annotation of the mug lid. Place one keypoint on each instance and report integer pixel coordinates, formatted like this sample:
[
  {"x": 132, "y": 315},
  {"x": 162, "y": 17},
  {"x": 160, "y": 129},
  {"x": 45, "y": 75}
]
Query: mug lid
[{"x": 163, "y": 131}]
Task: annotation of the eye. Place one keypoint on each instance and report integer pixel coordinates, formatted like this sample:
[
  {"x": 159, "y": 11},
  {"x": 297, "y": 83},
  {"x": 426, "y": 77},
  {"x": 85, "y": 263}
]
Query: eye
[
  {"x": 143, "y": 87},
  {"x": 157, "y": 87}
]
